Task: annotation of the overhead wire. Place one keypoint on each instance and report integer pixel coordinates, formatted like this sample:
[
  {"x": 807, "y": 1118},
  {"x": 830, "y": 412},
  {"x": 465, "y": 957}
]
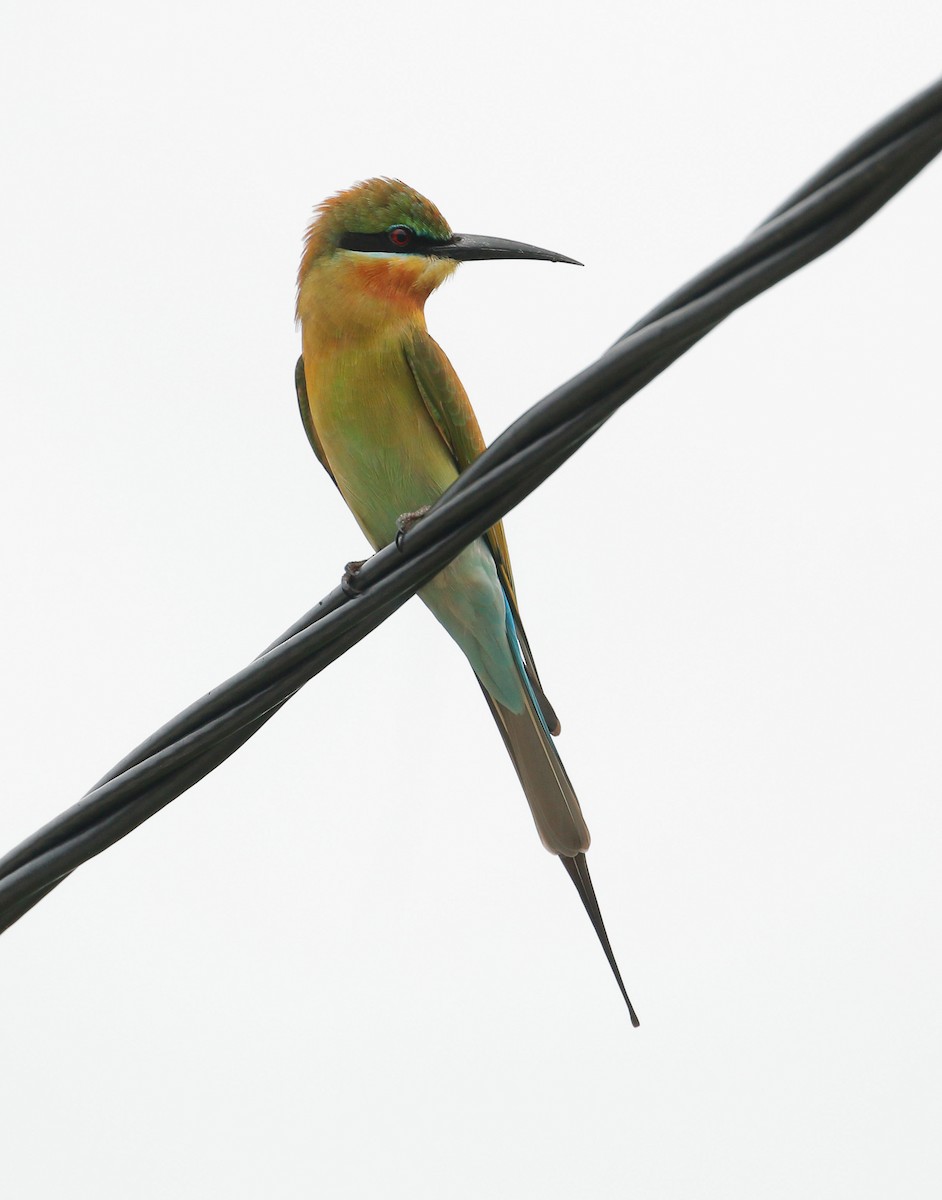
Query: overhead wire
[{"x": 823, "y": 212}]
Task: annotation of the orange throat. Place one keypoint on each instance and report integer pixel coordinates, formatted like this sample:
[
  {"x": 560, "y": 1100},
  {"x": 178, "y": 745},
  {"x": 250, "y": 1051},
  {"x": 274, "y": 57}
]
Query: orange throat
[{"x": 357, "y": 294}]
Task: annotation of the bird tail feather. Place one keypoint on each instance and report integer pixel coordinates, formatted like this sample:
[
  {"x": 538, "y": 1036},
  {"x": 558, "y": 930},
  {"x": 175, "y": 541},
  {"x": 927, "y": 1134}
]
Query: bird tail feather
[{"x": 546, "y": 785}]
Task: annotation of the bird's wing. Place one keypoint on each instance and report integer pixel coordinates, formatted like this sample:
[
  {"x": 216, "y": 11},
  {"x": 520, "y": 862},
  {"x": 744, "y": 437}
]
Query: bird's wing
[
  {"x": 300, "y": 385},
  {"x": 449, "y": 407}
]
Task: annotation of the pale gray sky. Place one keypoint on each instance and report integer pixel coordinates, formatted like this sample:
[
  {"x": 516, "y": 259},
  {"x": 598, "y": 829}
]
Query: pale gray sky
[{"x": 343, "y": 965}]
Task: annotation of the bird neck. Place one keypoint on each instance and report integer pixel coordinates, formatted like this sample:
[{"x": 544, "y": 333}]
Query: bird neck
[{"x": 355, "y": 298}]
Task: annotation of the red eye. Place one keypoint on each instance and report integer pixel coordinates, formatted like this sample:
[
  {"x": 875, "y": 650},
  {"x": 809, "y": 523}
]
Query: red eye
[{"x": 400, "y": 236}]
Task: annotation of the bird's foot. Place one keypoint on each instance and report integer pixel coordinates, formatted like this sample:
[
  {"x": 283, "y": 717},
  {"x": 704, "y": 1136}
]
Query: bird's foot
[
  {"x": 405, "y": 521},
  {"x": 348, "y": 582}
]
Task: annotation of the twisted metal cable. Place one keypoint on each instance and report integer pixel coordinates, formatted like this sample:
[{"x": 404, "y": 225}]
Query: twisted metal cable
[{"x": 830, "y": 206}]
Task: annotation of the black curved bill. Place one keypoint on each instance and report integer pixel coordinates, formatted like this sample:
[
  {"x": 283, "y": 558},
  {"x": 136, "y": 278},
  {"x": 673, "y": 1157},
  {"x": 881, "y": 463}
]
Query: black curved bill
[{"x": 473, "y": 247}]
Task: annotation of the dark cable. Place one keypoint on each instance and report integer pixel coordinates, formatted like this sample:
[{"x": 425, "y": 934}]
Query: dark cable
[{"x": 827, "y": 209}]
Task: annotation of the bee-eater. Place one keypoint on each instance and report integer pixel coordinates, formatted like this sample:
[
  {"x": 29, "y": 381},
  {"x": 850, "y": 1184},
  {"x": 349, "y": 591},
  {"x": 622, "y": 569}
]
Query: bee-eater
[{"x": 391, "y": 424}]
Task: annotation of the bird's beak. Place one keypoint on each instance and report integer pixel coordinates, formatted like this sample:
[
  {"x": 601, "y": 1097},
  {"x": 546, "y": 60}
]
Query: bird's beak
[{"x": 473, "y": 247}]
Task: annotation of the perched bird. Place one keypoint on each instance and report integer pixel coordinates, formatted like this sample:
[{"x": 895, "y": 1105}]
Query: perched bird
[{"x": 391, "y": 424}]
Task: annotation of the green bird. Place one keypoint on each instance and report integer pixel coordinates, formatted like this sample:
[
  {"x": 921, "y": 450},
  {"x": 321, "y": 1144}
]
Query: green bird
[{"x": 391, "y": 424}]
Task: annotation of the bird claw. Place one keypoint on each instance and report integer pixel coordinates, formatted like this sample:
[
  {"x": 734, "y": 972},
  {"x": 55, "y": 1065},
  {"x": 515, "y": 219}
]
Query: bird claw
[
  {"x": 405, "y": 521},
  {"x": 348, "y": 583}
]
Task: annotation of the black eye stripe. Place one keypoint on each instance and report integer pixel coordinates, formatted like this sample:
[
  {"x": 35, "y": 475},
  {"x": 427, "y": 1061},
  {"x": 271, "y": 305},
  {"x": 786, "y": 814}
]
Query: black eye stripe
[{"x": 373, "y": 243}]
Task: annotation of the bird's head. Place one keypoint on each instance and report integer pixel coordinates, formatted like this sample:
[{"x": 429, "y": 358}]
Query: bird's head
[{"x": 381, "y": 247}]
